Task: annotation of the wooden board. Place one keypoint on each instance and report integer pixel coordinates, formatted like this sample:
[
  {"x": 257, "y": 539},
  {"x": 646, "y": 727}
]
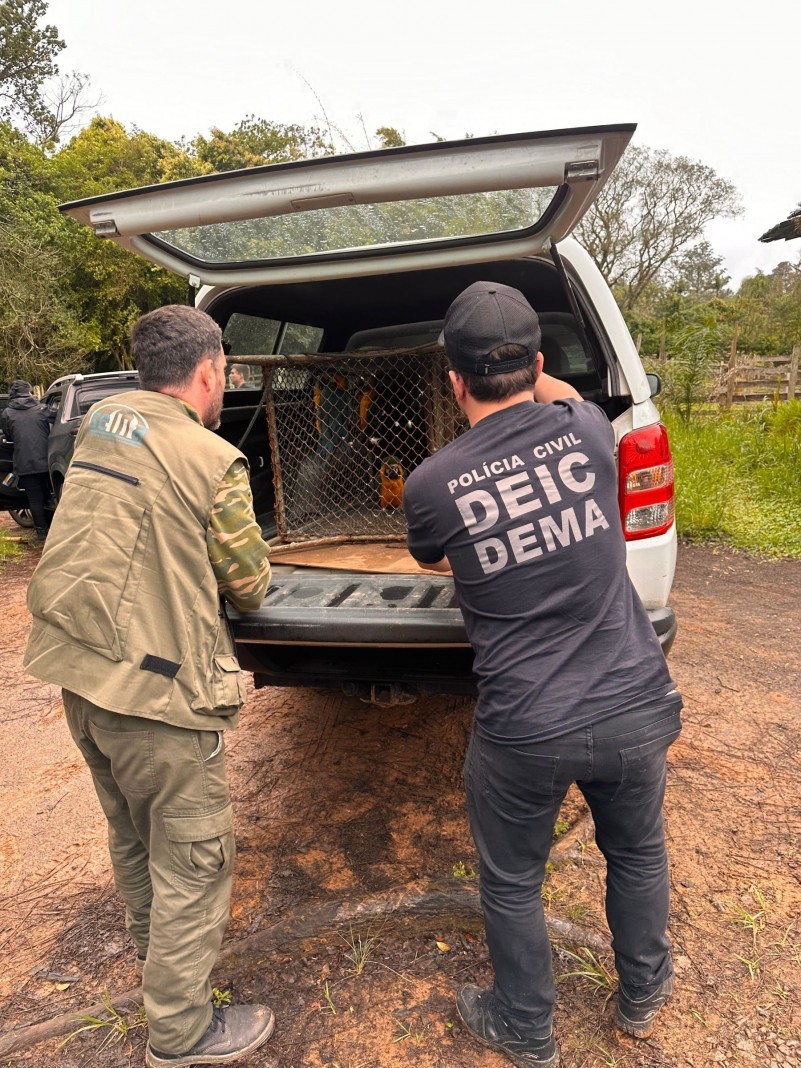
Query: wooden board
[{"x": 385, "y": 558}]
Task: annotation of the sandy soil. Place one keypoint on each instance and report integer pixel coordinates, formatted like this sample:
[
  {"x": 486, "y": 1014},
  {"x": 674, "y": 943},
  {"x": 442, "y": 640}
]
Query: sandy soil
[{"x": 337, "y": 800}]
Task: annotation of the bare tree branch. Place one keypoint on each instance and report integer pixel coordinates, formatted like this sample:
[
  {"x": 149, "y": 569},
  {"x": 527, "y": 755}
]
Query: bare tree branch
[{"x": 653, "y": 207}]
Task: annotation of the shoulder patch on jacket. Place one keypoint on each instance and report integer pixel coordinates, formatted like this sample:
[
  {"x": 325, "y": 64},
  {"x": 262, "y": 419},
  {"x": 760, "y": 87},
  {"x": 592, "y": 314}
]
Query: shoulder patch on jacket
[{"x": 120, "y": 422}]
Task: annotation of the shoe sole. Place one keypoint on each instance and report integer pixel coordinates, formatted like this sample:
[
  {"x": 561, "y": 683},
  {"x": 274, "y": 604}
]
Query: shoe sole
[
  {"x": 514, "y": 1057},
  {"x": 212, "y": 1058},
  {"x": 642, "y": 1028}
]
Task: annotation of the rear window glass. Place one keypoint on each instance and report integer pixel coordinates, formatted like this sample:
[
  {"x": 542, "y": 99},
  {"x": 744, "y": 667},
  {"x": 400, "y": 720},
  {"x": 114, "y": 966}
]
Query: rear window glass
[
  {"x": 250, "y": 335},
  {"x": 86, "y": 396},
  {"x": 562, "y": 351},
  {"x": 362, "y": 226},
  {"x": 299, "y": 338}
]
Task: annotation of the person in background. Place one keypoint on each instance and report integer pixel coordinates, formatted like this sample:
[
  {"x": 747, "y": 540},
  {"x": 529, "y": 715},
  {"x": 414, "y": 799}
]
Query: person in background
[
  {"x": 572, "y": 682},
  {"x": 129, "y": 619},
  {"x": 27, "y": 423},
  {"x": 236, "y": 377}
]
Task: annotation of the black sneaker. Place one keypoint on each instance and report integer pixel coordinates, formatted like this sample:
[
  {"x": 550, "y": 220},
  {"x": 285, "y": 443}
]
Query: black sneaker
[
  {"x": 233, "y": 1032},
  {"x": 482, "y": 1017},
  {"x": 636, "y": 1016}
]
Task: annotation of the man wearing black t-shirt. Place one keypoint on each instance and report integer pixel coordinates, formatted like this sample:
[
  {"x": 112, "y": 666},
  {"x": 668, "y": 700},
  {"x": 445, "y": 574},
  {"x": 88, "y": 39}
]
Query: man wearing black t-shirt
[{"x": 573, "y": 686}]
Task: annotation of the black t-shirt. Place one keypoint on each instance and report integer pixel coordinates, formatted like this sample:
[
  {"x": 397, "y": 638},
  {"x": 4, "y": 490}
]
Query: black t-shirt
[{"x": 524, "y": 505}]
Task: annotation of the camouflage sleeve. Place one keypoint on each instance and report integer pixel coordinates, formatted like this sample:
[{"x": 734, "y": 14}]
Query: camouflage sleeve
[{"x": 238, "y": 554}]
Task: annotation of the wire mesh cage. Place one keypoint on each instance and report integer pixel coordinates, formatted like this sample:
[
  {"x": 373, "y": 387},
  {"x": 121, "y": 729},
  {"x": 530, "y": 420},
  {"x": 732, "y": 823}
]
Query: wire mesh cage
[{"x": 346, "y": 430}]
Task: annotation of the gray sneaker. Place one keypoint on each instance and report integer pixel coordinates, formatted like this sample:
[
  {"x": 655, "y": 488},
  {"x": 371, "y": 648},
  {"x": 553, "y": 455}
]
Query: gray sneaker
[
  {"x": 232, "y": 1033},
  {"x": 637, "y": 1016},
  {"x": 484, "y": 1019}
]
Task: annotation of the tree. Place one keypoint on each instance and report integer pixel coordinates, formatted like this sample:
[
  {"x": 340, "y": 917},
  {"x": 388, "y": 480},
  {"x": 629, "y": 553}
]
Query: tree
[
  {"x": 31, "y": 91},
  {"x": 390, "y": 137},
  {"x": 654, "y": 206},
  {"x": 27, "y": 59},
  {"x": 767, "y": 310},
  {"x": 110, "y": 287},
  {"x": 254, "y": 142},
  {"x": 698, "y": 274},
  {"x": 40, "y": 334}
]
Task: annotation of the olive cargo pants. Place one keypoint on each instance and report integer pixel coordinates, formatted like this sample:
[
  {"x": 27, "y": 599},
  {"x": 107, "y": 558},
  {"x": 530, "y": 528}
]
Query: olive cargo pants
[{"x": 165, "y": 795}]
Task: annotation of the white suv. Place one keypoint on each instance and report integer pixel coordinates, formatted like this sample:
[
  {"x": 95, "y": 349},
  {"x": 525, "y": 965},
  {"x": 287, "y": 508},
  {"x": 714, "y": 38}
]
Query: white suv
[{"x": 334, "y": 275}]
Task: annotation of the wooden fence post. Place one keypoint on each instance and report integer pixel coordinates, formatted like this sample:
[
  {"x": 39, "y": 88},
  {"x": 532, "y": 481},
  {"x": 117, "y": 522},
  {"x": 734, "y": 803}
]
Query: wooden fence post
[
  {"x": 792, "y": 377},
  {"x": 731, "y": 374}
]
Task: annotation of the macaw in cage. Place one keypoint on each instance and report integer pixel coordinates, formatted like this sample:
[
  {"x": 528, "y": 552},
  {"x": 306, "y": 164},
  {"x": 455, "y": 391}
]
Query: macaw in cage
[{"x": 392, "y": 479}]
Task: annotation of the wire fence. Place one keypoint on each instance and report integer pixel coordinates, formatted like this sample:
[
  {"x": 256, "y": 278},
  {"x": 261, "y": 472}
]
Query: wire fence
[{"x": 346, "y": 430}]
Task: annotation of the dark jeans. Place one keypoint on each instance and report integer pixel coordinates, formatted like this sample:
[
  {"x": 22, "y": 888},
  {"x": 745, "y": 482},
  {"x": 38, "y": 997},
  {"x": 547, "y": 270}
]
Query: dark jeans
[
  {"x": 37, "y": 490},
  {"x": 514, "y": 794}
]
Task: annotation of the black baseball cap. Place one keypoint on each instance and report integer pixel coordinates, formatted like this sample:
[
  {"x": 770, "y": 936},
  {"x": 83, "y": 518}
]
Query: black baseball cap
[{"x": 484, "y": 317}]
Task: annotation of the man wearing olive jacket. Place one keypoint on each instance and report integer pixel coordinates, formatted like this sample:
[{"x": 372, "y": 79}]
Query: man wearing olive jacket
[{"x": 128, "y": 619}]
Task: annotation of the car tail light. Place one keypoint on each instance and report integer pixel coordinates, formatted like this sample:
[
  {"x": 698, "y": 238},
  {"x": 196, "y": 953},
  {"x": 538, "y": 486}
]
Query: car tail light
[{"x": 647, "y": 502}]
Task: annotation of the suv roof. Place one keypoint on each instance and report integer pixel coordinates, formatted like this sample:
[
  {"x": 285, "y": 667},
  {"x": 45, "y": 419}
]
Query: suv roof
[{"x": 66, "y": 380}]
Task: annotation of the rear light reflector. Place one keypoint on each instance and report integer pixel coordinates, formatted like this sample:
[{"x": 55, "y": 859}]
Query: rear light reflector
[
  {"x": 650, "y": 516},
  {"x": 646, "y": 494},
  {"x": 650, "y": 478}
]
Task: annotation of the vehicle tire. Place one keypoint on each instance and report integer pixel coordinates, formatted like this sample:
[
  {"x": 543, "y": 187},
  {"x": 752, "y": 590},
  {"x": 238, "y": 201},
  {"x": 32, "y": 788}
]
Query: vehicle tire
[{"x": 22, "y": 517}]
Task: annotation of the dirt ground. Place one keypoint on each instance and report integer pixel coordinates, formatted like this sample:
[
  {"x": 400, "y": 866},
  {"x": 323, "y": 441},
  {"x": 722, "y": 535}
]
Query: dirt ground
[{"x": 337, "y": 801}]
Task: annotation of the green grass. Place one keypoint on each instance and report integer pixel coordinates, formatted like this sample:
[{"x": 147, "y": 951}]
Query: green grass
[
  {"x": 8, "y": 549},
  {"x": 738, "y": 478}
]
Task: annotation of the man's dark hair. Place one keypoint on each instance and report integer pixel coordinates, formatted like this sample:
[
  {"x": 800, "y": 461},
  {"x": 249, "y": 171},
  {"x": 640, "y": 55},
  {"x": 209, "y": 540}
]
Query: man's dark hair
[
  {"x": 499, "y": 387},
  {"x": 167, "y": 345}
]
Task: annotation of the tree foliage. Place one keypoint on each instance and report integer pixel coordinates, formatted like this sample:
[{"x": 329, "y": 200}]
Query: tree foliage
[
  {"x": 40, "y": 332},
  {"x": 653, "y": 208},
  {"x": 766, "y": 311},
  {"x": 687, "y": 378},
  {"x": 255, "y": 142},
  {"x": 87, "y": 292},
  {"x": 27, "y": 60},
  {"x": 68, "y": 299},
  {"x": 33, "y": 92}
]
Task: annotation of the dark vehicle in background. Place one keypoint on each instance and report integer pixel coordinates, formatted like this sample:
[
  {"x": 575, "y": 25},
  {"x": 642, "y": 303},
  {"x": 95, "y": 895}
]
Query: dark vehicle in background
[
  {"x": 68, "y": 398},
  {"x": 71, "y": 397}
]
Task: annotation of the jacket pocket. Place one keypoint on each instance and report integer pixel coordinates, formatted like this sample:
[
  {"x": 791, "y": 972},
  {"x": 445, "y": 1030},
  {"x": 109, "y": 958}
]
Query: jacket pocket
[
  {"x": 90, "y": 597},
  {"x": 226, "y": 682},
  {"x": 220, "y": 690},
  {"x": 201, "y": 847}
]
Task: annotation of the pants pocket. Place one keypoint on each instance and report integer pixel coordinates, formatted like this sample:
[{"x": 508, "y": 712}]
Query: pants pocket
[
  {"x": 201, "y": 847},
  {"x": 644, "y": 765},
  {"x": 130, "y": 754},
  {"x": 517, "y": 784}
]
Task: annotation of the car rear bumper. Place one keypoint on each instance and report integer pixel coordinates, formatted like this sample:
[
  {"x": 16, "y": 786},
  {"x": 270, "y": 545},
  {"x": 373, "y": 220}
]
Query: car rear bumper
[
  {"x": 361, "y": 631},
  {"x": 663, "y": 620}
]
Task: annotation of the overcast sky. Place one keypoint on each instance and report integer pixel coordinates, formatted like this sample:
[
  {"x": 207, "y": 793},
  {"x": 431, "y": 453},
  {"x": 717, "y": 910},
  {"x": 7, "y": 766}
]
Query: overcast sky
[{"x": 716, "y": 82}]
